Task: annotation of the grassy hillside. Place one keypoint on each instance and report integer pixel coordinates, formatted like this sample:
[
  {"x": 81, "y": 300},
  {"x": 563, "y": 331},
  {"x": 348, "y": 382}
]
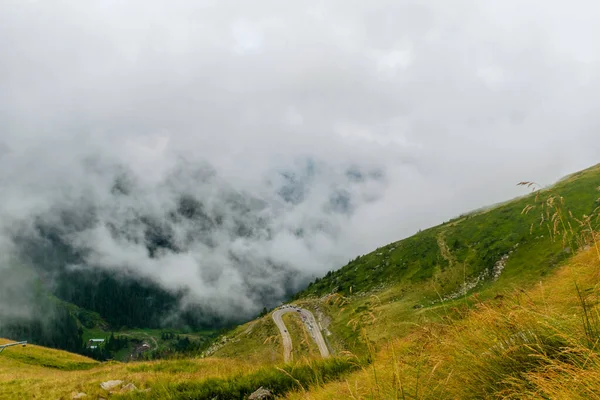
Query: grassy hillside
[
  {"x": 540, "y": 343},
  {"x": 146, "y": 344},
  {"x": 485, "y": 252},
  {"x": 498, "y": 303},
  {"x": 465, "y": 247},
  {"x": 257, "y": 341},
  {"x": 537, "y": 343},
  {"x": 441, "y": 273},
  {"x": 36, "y": 372}
]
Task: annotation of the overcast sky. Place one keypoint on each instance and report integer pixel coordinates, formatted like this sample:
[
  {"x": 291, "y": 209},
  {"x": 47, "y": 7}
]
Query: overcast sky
[{"x": 446, "y": 105}]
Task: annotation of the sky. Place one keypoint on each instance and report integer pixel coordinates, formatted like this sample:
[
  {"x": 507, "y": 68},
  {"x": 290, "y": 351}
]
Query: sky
[{"x": 344, "y": 125}]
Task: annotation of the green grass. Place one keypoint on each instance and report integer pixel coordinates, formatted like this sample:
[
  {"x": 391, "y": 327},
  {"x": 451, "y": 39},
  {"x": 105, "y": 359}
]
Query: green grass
[
  {"x": 279, "y": 380},
  {"x": 173, "y": 366},
  {"x": 476, "y": 241},
  {"x": 94, "y": 333},
  {"x": 35, "y": 372},
  {"x": 159, "y": 347},
  {"x": 33, "y": 356},
  {"x": 257, "y": 341},
  {"x": 408, "y": 282},
  {"x": 392, "y": 308},
  {"x": 536, "y": 342}
]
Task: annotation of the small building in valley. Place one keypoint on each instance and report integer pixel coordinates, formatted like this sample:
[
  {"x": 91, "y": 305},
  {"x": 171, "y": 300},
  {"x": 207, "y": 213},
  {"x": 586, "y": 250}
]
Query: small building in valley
[{"x": 94, "y": 343}]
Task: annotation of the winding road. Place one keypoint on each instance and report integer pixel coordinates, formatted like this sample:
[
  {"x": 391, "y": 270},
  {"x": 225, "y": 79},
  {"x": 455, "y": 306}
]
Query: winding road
[{"x": 311, "y": 324}]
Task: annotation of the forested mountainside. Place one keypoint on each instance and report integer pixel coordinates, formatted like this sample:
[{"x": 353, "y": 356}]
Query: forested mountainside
[
  {"x": 114, "y": 262},
  {"x": 468, "y": 252}
]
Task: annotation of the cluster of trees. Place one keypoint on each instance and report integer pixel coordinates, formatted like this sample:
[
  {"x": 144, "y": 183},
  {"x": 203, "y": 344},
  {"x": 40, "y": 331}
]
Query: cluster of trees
[
  {"x": 50, "y": 323},
  {"x": 181, "y": 344},
  {"x": 121, "y": 301},
  {"x": 99, "y": 353},
  {"x": 107, "y": 350},
  {"x": 165, "y": 335},
  {"x": 120, "y": 298},
  {"x": 116, "y": 343}
]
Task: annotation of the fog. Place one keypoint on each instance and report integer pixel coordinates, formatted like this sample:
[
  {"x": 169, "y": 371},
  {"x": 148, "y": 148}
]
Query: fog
[{"x": 302, "y": 134}]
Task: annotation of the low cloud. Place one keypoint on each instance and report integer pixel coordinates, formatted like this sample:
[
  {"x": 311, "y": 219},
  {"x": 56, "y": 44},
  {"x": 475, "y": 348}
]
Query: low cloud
[
  {"x": 232, "y": 151},
  {"x": 229, "y": 249}
]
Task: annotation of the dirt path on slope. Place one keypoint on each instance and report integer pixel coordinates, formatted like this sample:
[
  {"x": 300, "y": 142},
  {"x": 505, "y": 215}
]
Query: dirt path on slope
[{"x": 444, "y": 250}]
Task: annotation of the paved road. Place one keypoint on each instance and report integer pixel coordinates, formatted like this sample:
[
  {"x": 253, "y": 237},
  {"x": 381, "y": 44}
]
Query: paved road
[{"x": 311, "y": 325}]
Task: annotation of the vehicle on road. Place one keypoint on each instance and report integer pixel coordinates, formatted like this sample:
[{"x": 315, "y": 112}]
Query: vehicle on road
[{"x": 310, "y": 323}]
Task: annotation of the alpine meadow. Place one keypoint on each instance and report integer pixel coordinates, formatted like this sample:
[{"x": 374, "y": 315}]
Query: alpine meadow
[{"x": 316, "y": 200}]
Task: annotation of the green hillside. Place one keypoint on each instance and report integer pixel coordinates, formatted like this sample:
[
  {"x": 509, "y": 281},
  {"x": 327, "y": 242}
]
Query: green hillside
[
  {"x": 441, "y": 273},
  {"x": 465, "y": 247},
  {"x": 35, "y": 372},
  {"x": 498, "y": 303},
  {"x": 485, "y": 253}
]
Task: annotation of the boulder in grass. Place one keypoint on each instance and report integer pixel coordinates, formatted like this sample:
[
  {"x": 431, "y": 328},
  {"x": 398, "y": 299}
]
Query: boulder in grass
[
  {"x": 108, "y": 385},
  {"x": 261, "y": 394},
  {"x": 130, "y": 387}
]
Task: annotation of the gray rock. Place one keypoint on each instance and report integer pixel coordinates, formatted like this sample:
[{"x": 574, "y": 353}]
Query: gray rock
[
  {"x": 79, "y": 395},
  {"x": 261, "y": 394},
  {"x": 130, "y": 387},
  {"x": 108, "y": 385}
]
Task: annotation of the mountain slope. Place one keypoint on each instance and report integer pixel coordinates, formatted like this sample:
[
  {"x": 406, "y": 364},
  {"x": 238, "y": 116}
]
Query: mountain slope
[
  {"x": 405, "y": 283},
  {"x": 526, "y": 344},
  {"x": 38, "y": 372},
  {"x": 467, "y": 246},
  {"x": 499, "y": 302}
]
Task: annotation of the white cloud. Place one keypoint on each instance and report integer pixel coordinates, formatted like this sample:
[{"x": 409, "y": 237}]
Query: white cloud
[{"x": 447, "y": 103}]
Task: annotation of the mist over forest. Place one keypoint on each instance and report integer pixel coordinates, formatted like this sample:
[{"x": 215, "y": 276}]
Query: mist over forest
[
  {"x": 189, "y": 164},
  {"x": 208, "y": 248}
]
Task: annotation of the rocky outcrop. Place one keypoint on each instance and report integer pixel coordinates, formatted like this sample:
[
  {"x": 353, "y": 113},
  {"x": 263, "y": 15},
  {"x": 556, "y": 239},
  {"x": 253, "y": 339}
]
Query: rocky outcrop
[
  {"x": 471, "y": 284},
  {"x": 261, "y": 394},
  {"x": 108, "y": 385}
]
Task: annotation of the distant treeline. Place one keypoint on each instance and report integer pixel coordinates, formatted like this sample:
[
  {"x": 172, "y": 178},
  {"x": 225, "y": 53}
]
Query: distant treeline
[{"x": 49, "y": 324}]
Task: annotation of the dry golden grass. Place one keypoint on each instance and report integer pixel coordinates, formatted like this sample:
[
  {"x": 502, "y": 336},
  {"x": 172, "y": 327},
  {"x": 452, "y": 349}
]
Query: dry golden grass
[
  {"x": 256, "y": 342},
  {"x": 526, "y": 344},
  {"x": 36, "y": 372},
  {"x": 542, "y": 342}
]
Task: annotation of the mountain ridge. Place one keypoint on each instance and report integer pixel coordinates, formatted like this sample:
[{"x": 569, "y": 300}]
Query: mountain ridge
[{"x": 382, "y": 304}]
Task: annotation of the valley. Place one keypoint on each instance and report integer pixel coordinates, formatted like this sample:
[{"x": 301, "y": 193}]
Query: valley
[
  {"x": 493, "y": 303},
  {"x": 299, "y": 200}
]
